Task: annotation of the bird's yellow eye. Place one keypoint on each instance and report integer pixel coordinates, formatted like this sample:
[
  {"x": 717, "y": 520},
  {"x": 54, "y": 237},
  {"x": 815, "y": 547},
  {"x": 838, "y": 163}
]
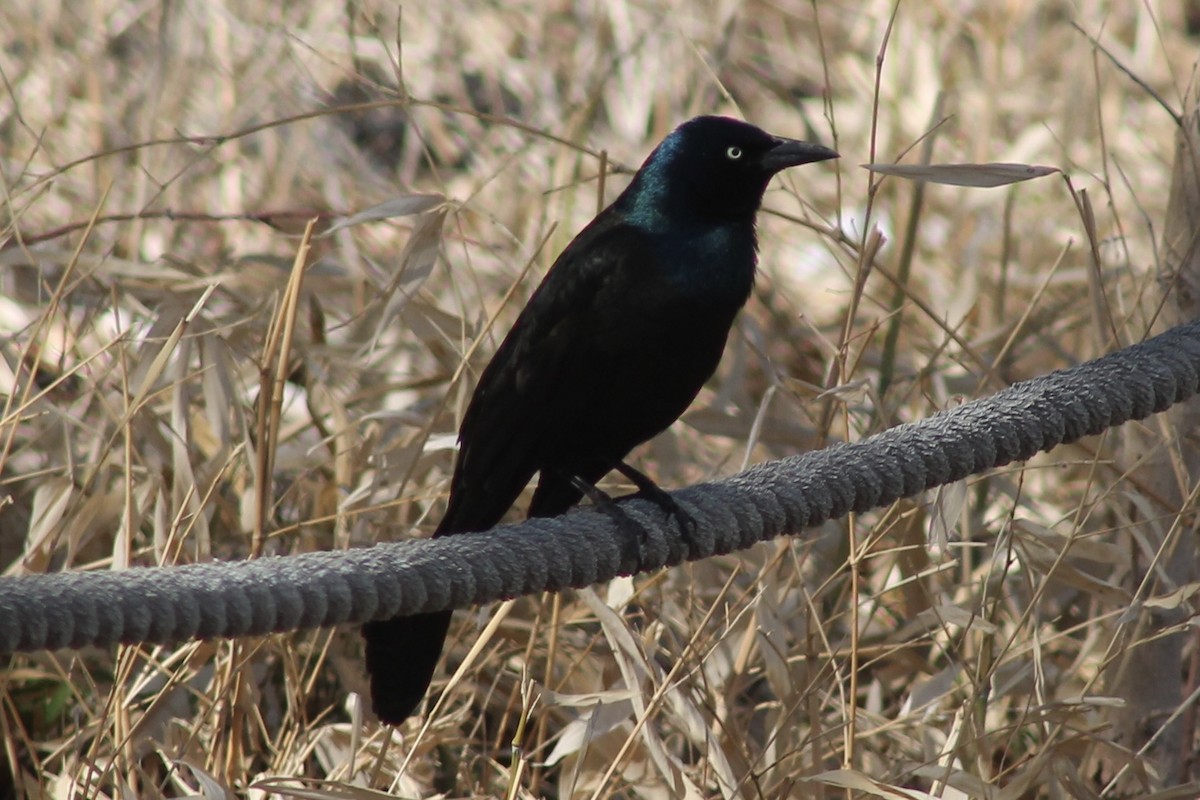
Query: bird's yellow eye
[{"x": 734, "y": 153}]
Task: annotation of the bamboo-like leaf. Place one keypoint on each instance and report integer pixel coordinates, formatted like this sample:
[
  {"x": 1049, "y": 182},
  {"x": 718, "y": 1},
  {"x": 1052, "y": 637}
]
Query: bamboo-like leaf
[
  {"x": 404, "y": 206},
  {"x": 983, "y": 176}
]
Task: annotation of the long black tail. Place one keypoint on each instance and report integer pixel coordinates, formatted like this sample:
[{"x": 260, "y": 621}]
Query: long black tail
[
  {"x": 401, "y": 655},
  {"x": 403, "y": 652}
]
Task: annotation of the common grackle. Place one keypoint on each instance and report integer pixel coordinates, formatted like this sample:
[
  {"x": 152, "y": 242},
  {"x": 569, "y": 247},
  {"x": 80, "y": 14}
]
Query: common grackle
[{"x": 613, "y": 346}]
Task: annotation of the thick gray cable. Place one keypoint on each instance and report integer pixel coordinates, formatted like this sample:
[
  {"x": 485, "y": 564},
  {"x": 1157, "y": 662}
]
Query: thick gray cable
[{"x": 589, "y": 546}]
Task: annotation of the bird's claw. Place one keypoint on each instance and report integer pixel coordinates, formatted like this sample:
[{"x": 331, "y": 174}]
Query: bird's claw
[
  {"x": 608, "y": 505},
  {"x": 647, "y": 489}
]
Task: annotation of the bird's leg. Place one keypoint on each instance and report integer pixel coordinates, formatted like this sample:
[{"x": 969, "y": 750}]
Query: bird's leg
[
  {"x": 605, "y": 503},
  {"x": 649, "y": 490},
  {"x": 598, "y": 496}
]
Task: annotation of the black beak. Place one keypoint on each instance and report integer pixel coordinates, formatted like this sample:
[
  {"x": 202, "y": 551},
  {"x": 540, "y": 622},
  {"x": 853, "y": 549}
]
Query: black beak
[{"x": 792, "y": 153}]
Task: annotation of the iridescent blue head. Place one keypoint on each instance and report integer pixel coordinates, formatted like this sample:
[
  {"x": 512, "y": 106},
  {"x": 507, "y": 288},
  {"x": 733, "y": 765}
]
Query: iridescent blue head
[{"x": 712, "y": 170}]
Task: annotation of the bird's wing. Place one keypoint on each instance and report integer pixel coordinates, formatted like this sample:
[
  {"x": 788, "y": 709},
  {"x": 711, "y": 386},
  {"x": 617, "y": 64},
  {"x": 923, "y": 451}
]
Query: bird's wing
[{"x": 517, "y": 403}]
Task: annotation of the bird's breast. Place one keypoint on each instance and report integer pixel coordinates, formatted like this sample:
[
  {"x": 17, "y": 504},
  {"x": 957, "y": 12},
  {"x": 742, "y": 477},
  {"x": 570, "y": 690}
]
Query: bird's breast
[{"x": 709, "y": 265}]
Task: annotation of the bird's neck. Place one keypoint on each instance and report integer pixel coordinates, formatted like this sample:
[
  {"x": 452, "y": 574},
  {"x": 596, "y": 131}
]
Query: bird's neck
[
  {"x": 711, "y": 261},
  {"x": 658, "y": 201},
  {"x": 707, "y": 250}
]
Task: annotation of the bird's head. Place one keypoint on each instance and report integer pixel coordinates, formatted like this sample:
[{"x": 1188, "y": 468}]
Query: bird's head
[{"x": 713, "y": 169}]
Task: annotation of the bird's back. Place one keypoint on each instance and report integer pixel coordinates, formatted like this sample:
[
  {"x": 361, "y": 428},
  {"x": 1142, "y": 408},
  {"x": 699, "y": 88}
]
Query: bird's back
[{"x": 610, "y": 350}]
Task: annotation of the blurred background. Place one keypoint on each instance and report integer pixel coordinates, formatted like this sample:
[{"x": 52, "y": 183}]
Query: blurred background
[{"x": 160, "y": 162}]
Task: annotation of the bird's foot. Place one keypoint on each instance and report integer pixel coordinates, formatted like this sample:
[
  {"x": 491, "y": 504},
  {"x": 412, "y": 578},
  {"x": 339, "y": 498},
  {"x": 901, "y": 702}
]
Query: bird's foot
[
  {"x": 647, "y": 489},
  {"x": 605, "y": 503},
  {"x": 598, "y": 496}
]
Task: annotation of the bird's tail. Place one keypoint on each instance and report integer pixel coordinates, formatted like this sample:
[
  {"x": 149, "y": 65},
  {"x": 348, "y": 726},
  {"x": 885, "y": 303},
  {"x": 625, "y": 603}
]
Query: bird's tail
[
  {"x": 403, "y": 652},
  {"x": 401, "y": 655}
]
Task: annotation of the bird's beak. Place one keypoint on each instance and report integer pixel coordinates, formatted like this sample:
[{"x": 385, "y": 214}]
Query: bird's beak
[{"x": 792, "y": 153}]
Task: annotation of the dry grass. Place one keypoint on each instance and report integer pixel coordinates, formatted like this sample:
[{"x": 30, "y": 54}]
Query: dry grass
[{"x": 160, "y": 359}]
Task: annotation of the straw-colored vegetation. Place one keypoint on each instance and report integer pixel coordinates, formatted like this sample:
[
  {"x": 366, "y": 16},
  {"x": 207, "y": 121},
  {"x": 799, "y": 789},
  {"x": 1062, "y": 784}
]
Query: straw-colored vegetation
[{"x": 160, "y": 162}]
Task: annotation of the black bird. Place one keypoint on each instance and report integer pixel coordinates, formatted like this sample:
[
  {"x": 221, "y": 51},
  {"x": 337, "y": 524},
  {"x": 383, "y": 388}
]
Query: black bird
[{"x": 616, "y": 342}]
